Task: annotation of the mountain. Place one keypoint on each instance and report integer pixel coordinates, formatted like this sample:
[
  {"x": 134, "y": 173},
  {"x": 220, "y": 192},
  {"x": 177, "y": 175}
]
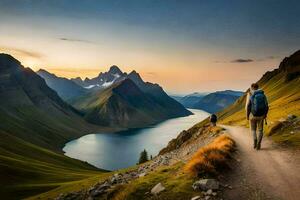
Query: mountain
[
  {"x": 65, "y": 88},
  {"x": 35, "y": 123},
  {"x": 176, "y": 97},
  {"x": 124, "y": 104},
  {"x": 281, "y": 87},
  {"x": 217, "y": 101},
  {"x": 103, "y": 80},
  {"x": 156, "y": 92},
  {"x": 190, "y": 100}
]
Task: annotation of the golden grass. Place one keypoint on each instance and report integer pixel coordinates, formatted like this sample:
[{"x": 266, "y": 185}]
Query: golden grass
[{"x": 212, "y": 157}]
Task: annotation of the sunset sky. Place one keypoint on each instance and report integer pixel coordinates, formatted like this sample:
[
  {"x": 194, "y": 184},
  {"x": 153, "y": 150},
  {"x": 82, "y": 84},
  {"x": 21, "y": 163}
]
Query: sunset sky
[{"x": 185, "y": 46}]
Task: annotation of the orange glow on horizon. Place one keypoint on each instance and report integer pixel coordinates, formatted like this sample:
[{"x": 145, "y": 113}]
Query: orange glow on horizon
[{"x": 180, "y": 77}]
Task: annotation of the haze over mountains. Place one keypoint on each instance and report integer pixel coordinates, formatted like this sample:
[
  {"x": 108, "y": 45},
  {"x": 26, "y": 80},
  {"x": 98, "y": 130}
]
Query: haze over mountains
[
  {"x": 210, "y": 102},
  {"x": 65, "y": 88}
]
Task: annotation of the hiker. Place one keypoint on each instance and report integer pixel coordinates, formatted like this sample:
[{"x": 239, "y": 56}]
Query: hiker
[
  {"x": 213, "y": 119},
  {"x": 257, "y": 109}
]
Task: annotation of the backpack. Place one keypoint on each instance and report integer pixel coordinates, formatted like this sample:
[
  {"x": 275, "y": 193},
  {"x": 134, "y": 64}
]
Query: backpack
[
  {"x": 259, "y": 105},
  {"x": 213, "y": 118}
]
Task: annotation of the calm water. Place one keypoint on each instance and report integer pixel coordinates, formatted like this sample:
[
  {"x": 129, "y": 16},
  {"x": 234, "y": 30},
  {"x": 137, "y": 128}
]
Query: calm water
[{"x": 119, "y": 150}]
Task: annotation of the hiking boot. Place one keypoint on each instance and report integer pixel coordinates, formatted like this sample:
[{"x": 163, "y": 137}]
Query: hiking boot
[
  {"x": 255, "y": 144},
  {"x": 258, "y": 146}
]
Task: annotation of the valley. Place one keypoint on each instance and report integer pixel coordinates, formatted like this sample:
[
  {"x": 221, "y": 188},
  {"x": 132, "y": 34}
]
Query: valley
[
  {"x": 40, "y": 112},
  {"x": 149, "y": 100},
  {"x": 167, "y": 171}
]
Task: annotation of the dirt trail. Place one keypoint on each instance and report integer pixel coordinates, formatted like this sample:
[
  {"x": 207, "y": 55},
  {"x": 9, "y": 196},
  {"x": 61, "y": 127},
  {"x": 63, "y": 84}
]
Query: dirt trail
[{"x": 274, "y": 171}]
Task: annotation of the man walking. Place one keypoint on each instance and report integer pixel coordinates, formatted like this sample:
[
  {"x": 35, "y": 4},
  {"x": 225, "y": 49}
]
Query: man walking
[{"x": 257, "y": 109}]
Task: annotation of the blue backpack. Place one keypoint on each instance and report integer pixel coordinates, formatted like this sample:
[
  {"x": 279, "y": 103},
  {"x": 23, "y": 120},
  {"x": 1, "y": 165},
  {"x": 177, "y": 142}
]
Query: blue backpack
[{"x": 259, "y": 104}]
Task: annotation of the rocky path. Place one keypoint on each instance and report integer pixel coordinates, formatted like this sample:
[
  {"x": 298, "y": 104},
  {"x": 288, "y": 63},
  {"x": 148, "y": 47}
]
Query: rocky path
[
  {"x": 273, "y": 170},
  {"x": 101, "y": 189}
]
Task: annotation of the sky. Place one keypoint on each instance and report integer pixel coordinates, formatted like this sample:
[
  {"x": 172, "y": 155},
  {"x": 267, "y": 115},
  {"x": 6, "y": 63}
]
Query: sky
[{"x": 185, "y": 46}]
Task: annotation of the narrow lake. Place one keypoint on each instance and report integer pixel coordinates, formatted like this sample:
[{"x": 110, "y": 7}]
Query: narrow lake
[{"x": 113, "y": 151}]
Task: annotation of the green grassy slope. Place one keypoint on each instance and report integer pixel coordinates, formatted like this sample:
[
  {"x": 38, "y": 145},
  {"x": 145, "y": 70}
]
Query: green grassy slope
[
  {"x": 282, "y": 88},
  {"x": 27, "y": 169}
]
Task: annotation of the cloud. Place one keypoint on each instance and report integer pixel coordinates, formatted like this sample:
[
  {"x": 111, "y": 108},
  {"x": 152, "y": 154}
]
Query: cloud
[
  {"x": 152, "y": 73},
  {"x": 21, "y": 52},
  {"x": 241, "y": 60},
  {"x": 75, "y": 40}
]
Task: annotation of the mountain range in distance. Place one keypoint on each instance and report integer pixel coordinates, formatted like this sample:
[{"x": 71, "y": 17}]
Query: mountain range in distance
[
  {"x": 79, "y": 92},
  {"x": 117, "y": 99},
  {"x": 209, "y": 102}
]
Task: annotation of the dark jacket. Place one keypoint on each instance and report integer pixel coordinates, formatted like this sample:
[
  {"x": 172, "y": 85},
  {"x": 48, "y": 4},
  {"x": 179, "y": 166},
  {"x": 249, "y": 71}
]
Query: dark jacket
[{"x": 213, "y": 118}]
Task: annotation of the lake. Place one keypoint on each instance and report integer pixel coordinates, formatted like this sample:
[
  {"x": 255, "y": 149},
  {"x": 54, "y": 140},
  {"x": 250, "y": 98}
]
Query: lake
[{"x": 118, "y": 150}]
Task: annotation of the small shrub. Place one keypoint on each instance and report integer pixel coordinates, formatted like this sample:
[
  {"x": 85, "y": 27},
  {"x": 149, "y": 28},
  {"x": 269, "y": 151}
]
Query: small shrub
[
  {"x": 143, "y": 157},
  {"x": 212, "y": 157}
]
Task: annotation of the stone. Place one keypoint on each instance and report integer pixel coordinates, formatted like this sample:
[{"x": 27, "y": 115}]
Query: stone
[
  {"x": 95, "y": 193},
  {"x": 157, "y": 189},
  {"x": 207, "y": 197},
  {"x": 214, "y": 194},
  {"x": 142, "y": 174},
  {"x": 209, "y": 192},
  {"x": 291, "y": 117},
  {"x": 113, "y": 180},
  {"x": 196, "y": 198},
  {"x": 282, "y": 120},
  {"x": 206, "y": 184},
  {"x": 70, "y": 196}
]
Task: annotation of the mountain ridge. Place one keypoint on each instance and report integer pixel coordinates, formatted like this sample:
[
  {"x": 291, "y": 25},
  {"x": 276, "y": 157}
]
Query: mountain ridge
[
  {"x": 123, "y": 104},
  {"x": 210, "y": 102},
  {"x": 65, "y": 88}
]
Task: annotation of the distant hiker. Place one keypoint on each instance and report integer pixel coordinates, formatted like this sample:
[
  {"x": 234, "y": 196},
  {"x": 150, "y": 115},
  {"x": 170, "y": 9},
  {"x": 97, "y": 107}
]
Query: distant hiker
[
  {"x": 213, "y": 119},
  {"x": 257, "y": 109}
]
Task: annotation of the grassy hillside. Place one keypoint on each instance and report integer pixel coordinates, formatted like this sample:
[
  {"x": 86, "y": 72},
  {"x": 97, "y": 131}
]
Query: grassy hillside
[
  {"x": 27, "y": 169},
  {"x": 282, "y": 89}
]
